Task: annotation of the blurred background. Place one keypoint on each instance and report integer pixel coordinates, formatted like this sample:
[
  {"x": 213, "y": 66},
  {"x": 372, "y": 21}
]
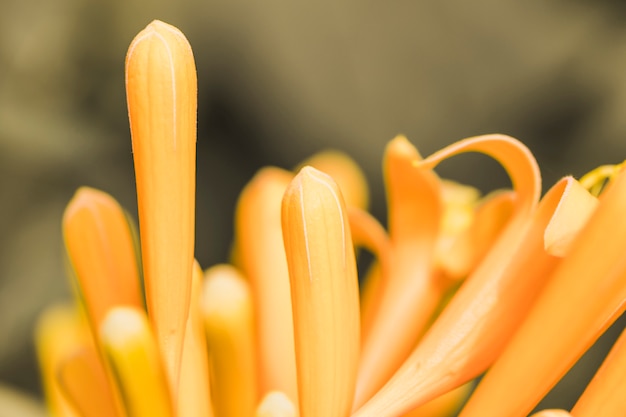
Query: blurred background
[{"x": 279, "y": 80}]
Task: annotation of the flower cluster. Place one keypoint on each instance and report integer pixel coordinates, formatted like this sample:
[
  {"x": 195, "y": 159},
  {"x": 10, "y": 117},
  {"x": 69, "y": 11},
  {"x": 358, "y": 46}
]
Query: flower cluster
[{"x": 510, "y": 284}]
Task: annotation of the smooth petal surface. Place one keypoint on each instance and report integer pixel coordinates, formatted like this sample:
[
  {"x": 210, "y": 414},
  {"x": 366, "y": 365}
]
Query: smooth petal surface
[
  {"x": 84, "y": 380},
  {"x": 194, "y": 397},
  {"x": 161, "y": 90},
  {"x": 604, "y": 396},
  {"x": 227, "y": 311},
  {"x": 262, "y": 257},
  {"x": 99, "y": 244},
  {"x": 131, "y": 352},
  {"x": 410, "y": 294},
  {"x": 584, "y": 296},
  {"x": 324, "y": 292},
  {"x": 60, "y": 331}
]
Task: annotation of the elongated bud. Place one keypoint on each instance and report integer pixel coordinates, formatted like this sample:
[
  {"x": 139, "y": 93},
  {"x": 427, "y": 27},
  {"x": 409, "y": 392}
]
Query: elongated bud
[
  {"x": 227, "y": 312},
  {"x": 161, "y": 90},
  {"x": 324, "y": 292},
  {"x": 99, "y": 243},
  {"x": 131, "y": 351}
]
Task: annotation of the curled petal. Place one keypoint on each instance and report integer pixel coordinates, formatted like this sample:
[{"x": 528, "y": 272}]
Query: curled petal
[
  {"x": 476, "y": 324},
  {"x": 410, "y": 294},
  {"x": 584, "y": 296}
]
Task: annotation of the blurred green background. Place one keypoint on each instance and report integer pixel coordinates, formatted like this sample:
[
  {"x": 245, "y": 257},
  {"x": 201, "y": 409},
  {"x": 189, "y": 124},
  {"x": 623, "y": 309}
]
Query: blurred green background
[{"x": 279, "y": 80}]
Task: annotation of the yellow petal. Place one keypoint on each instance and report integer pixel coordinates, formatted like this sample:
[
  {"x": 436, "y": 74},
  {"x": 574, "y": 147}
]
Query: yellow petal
[
  {"x": 471, "y": 245},
  {"x": 59, "y": 332},
  {"x": 131, "y": 352},
  {"x": 571, "y": 215},
  {"x": 262, "y": 258},
  {"x": 473, "y": 328},
  {"x": 604, "y": 396},
  {"x": 194, "y": 399},
  {"x": 584, "y": 296},
  {"x": 346, "y": 173},
  {"x": 324, "y": 292},
  {"x": 161, "y": 92},
  {"x": 99, "y": 243},
  {"x": 459, "y": 202},
  {"x": 276, "y": 404},
  {"x": 227, "y": 311},
  {"x": 85, "y": 381}
]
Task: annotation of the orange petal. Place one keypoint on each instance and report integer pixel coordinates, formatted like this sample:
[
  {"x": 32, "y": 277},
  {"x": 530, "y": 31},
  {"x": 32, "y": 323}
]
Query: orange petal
[
  {"x": 471, "y": 331},
  {"x": 161, "y": 92},
  {"x": 84, "y": 380},
  {"x": 324, "y": 291},
  {"x": 604, "y": 396},
  {"x": 262, "y": 258},
  {"x": 410, "y": 294},
  {"x": 584, "y": 296},
  {"x": 194, "y": 398},
  {"x": 99, "y": 243},
  {"x": 369, "y": 234},
  {"x": 227, "y": 311}
]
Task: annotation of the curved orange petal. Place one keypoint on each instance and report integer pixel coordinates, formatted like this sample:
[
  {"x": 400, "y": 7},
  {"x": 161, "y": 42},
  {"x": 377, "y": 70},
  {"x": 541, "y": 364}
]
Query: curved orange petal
[
  {"x": 473, "y": 328},
  {"x": 161, "y": 91},
  {"x": 409, "y": 294},
  {"x": 584, "y": 296},
  {"x": 324, "y": 290}
]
